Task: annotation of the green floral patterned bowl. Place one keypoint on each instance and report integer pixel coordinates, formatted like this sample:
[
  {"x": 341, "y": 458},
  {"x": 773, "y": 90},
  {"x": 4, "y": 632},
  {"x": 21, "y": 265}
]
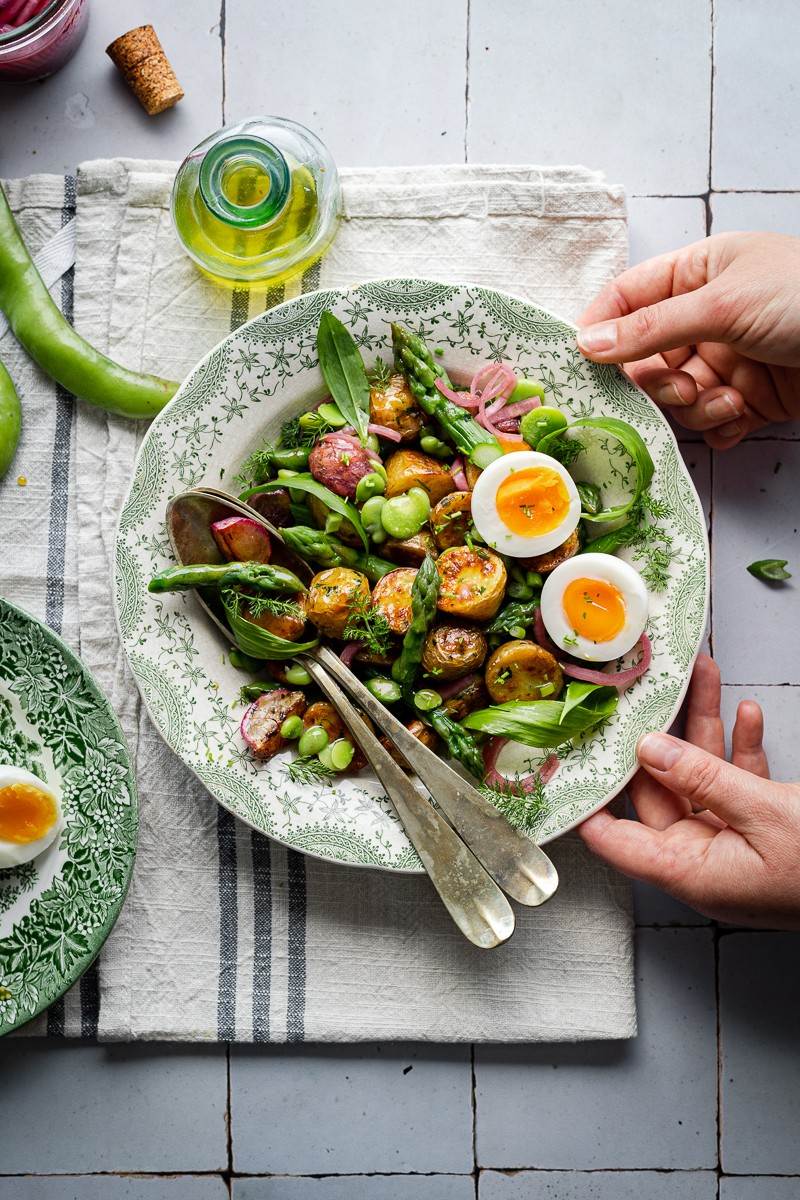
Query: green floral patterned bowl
[
  {"x": 56, "y": 912},
  {"x": 238, "y": 395}
]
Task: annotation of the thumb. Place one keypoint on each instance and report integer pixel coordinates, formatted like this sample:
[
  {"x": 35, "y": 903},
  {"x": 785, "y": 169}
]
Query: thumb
[
  {"x": 741, "y": 799},
  {"x": 698, "y": 316}
]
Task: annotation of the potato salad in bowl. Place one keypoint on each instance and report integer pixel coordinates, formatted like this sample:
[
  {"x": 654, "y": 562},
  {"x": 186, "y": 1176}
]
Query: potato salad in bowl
[{"x": 504, "y": 547}]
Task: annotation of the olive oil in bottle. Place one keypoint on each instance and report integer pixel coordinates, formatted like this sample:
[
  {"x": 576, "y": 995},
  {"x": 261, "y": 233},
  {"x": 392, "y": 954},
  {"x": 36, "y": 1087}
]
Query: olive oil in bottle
[{"x": 257, "y": 202}]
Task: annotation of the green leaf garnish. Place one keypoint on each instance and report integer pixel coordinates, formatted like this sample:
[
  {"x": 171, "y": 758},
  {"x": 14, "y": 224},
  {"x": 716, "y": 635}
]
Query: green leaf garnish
[
  {"x": 544, "y": 723},
  {"x": 771, "y": 570},
  {"x": 308, "y": 484},
  {"x": 343, "y": 370}
]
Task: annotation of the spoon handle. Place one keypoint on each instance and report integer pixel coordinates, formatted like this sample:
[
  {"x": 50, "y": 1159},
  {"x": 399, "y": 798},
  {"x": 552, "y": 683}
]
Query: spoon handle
[
  {"x": 520, "y": 867},
  {"x": 471, "y": 896}
]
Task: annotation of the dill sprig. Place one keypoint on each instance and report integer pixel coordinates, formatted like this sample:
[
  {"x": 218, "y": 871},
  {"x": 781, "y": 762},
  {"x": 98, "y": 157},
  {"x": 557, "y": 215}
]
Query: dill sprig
[
  {"x": 380, "y": 374},
  {"x": 368, "y": 626},
  {"x": 566, "y": 450},
  {"x": 652, "y": 542},
  {"x": 521, "y": 808},
  {"x": 306, "y": 771},
  {"x": 258, "y": 605}
]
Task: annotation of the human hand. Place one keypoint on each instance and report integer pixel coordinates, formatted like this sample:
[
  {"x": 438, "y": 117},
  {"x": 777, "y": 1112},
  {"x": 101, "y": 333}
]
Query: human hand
[
  {"x": 722, "y": 837},
  {"x": 711, "y": 332}
]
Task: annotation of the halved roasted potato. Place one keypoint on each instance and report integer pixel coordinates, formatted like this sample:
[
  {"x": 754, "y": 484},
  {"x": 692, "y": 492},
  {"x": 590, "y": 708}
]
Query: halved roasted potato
[
  {"x": 393, "y": 405},
  {"x": 517, "y": 671},
  {"x": 410, "y": 552},
  {"x": 553, "y": 558},
  {"x": 290, "y": 624},
  {"x": 423, "y": 733},
  {"x": 453, "y": 650},
  {"x": 450, "y": 519},
  {"x": 473, "y": 582},
  {"x": 391, "y": 596},
  {"x": 472, "y": 473},
  {"x": 331, "y": 597},
  {"x": 410, "y": 468}
]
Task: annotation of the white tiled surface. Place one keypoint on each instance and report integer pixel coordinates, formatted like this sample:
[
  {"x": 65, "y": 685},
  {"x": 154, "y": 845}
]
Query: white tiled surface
[{"x": 620, "y": 84}]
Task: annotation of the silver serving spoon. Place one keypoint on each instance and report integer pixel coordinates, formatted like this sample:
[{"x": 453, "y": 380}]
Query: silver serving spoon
[
  {"x": 521, "y": 868},
  {"x": 471, "y": 896}
]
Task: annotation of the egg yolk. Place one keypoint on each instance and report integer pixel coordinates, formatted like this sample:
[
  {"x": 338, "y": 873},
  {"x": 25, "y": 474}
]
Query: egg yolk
[
  {"x": 594, "y": 608},
  {"x": 26, "y": 813},
  {"x": 532, "y": 501}
]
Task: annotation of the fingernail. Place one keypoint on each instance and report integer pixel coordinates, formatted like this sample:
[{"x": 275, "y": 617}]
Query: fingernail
[
  {"x": 658, "y": 751},
  {"x": 722, "y": 408},
  {"x": 731, "y": 430},
  {"x": 667, "y": 394},
  {"x": 598, "y": 337}
]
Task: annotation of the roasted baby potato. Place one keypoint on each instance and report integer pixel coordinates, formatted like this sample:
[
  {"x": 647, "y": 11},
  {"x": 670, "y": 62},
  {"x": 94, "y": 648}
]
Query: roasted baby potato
[
  {"x": 261, "y": 724},
  {"x": 517, "y": 670},
  {"x": 339, "y": 463},
  {"x": 322, "y": 712},
  {"x": 473, "y": 582},
  {"x": 472, "y": 696},
  {"x": 548, "y": 562},
  {"x": 450, "y": 519},
  {"x": 410, "y": 552},
  {"x": 410, "y": 468},
  {"x": 391, "y": 596},
  {"x": 332, "y": 595},
  {"x": 422, "y": 733},
  {"x": 289, "y": 625},
  {"x": 472, "y": 473},
  {"x": 393, "y": 405},
  {"x": 453, "y": 650}
]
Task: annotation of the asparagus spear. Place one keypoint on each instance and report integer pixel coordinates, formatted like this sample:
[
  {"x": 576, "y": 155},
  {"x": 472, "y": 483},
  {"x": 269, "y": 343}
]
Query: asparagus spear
[
  {"x": 424, "y": 594},
  {"x": 460, "y": 743},
  {"x": 421, "y": 370},
  {"x": 328, "y": 551},
  {"x": 263, "y": 577}
]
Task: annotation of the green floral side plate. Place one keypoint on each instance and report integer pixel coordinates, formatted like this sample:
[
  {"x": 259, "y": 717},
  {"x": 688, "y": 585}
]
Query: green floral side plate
[
  {"x": 238, "y": 396},
  {"x": 56, "y": 912}
]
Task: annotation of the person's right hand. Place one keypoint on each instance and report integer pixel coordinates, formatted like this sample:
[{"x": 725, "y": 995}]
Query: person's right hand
[{"x": 711, "y": 332}]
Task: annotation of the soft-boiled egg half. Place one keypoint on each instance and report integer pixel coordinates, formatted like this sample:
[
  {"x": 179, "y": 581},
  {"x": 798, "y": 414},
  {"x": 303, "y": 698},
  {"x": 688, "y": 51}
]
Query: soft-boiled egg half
[
  {"x": 30, "y": 816},
  {"x": 525, "y": 503},
  {"x": 594, "y": 606}
]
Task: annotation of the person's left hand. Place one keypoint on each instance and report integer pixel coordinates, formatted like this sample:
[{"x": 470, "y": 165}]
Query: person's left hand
[{"x": 722, "y": 837}]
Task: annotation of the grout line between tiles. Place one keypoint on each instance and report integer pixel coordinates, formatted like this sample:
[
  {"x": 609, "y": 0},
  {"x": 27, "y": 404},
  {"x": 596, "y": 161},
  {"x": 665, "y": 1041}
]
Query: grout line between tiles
[
  {"x": 223, "y": 55},
  {"x": 474, "y": 1101},
  {"x": 466, "y": 87},
  {"x": 511, "y": 1171}
]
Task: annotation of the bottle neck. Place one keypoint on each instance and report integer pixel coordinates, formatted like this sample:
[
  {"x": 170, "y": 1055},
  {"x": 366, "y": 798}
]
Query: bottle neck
[{"x": 244, "y": 181}]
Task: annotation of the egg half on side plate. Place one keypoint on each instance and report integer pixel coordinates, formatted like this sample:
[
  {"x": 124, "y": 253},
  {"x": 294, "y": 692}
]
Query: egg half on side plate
[
  {"x": 525, "y": 503},
  {"x": 595, "y": 606},
  {"x": 31, "y": 817}
]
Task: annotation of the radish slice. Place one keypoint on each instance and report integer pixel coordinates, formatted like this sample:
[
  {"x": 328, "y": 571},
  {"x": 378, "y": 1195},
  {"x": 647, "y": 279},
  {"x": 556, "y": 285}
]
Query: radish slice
[
  {"x": 617, "y": 679},
  {"x": 459, "y": 478},
  {"x": 384, "y": 431},
  {"x": 348, "y": 653},
  {"x": 241, "y": 539},
  {"x": 259, "y": 727}
]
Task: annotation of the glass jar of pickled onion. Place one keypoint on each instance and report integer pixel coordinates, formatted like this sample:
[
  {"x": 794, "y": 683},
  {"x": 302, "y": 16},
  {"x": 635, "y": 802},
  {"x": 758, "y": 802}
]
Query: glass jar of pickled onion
[{"x": 39, "y": 36}]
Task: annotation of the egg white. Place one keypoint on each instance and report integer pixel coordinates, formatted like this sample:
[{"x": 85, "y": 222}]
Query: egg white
[
  {"x": 490, "y": 524},
  {"x": 612, "y": 570},
  {"x": 14, "y": 854}
]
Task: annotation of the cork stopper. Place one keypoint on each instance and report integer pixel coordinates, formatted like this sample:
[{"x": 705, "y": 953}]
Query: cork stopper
[{"x": 146, "y": 69}]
